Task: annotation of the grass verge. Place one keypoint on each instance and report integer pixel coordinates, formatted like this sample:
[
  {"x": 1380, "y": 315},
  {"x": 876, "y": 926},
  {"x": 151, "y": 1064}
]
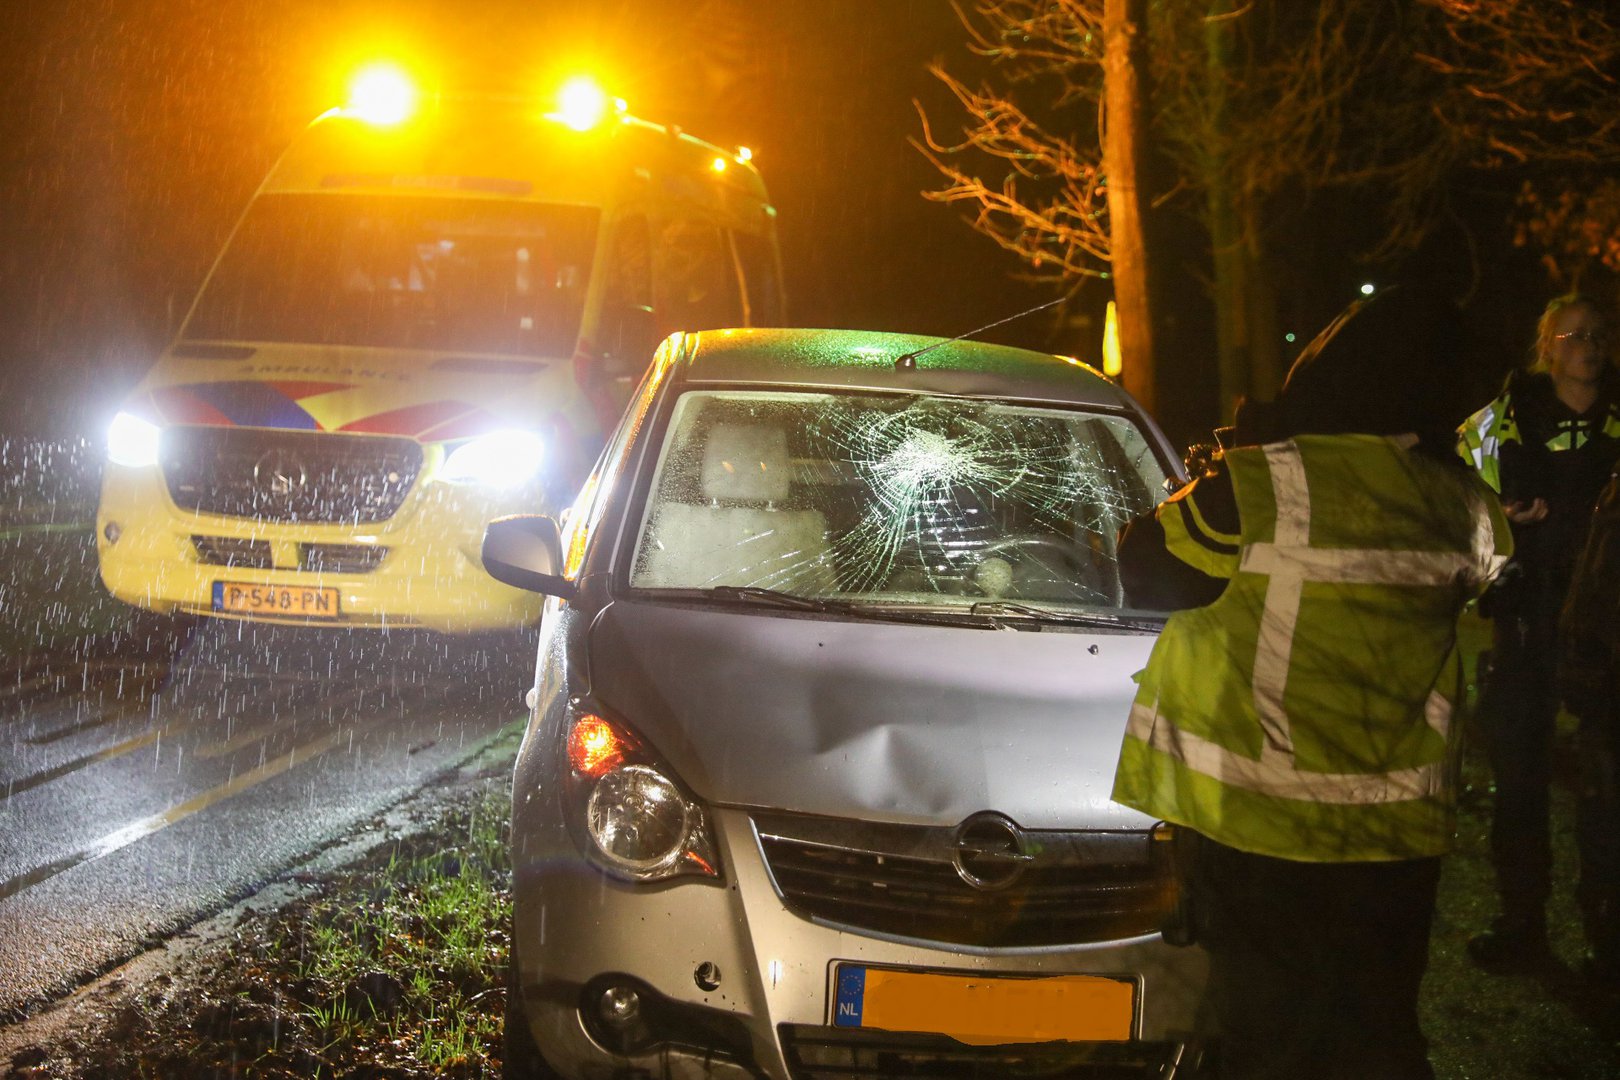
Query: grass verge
[{"x": 392, "y": 967}]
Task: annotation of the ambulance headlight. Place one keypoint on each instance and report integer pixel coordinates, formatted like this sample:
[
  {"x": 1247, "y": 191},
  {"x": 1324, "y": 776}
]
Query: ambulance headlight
[
  {"x": 132, "y": 441},
  {"x": 502, "y": 459}
]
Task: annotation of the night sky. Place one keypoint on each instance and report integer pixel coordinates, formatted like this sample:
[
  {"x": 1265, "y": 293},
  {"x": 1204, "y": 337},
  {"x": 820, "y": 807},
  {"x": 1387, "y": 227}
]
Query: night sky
[{"x": 136, "y": 130}]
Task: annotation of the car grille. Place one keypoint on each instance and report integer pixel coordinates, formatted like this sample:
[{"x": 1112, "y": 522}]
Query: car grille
[
  {"x": 229, "y": 551},
  {"x": 292, "y": 476},
  {"x": 830, "y": 1053},
  {"x": 901, "y": 880}
]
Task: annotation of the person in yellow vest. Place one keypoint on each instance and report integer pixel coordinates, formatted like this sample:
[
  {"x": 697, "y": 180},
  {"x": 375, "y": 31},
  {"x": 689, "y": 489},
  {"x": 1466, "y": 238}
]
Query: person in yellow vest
[
  {"x": 1296, "y": 718},
  {"x": 1546, "y": 444}
]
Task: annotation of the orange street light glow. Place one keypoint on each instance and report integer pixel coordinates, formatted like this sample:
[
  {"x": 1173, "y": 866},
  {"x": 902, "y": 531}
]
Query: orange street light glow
[
  {"x": 382, "y": 94},
  {"x": 718, "y": 164},
  {"x": 1113, "y": 364}
]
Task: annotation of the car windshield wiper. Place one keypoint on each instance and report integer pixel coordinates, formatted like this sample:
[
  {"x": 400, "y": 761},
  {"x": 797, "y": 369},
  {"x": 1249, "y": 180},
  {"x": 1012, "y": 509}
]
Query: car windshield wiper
[
  {"x": 756, "y": 594},
  {"x": 1067, "y": 618}
]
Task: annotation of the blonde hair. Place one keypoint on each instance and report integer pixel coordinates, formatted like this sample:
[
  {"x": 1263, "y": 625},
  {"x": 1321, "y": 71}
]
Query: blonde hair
[{"x": 1541, "y": 352}]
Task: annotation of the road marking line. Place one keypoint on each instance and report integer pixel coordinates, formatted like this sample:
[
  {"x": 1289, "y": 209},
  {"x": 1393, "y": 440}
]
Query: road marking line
[
  {"x": 117, "y": 749},
  {"x": 9, "y": 788},
  {"x": 122, "y": 708},
  {"x": 121, "y": 838},
  {"x": 209, "y": 751}
]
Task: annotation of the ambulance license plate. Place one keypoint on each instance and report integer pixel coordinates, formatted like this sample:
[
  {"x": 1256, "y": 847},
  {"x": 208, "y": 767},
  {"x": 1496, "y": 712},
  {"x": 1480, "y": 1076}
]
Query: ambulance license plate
[{"x": 296, "y": 601}]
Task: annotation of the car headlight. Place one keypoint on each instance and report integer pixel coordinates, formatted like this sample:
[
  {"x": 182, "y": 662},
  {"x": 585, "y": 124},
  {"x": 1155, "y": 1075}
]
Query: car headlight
[
  {"x": 502, "y": 459},
  {"x": 132, "y": 441},
  {"x": 639, "y": 821}
]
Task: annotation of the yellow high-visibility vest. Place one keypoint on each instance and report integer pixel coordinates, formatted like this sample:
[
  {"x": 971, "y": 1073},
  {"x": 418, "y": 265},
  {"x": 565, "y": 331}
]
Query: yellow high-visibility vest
[
  {"x": 1481, "y": 437},
  {"x": 1308, "y": 712}
]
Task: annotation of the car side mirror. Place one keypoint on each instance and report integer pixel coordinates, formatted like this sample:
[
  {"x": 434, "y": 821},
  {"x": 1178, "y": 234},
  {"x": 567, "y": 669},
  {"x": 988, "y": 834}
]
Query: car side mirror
[{"x": 525, "y": 551}]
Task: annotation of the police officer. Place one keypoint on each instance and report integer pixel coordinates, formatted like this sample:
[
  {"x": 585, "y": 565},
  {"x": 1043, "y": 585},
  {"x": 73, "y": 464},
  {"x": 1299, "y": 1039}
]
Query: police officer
[
  {"x": 1296, "y": 714},
  {"x": 1546, "y": 445}
]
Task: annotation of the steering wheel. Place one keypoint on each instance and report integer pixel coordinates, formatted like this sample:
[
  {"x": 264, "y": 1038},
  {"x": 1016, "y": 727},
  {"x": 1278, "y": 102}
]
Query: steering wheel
[{"x": 1058, "y": 551}]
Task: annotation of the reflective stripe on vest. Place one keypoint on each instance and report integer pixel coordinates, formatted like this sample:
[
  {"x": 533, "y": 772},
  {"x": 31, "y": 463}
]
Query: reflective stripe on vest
[
  {"x": 1189, "y": 537},
  {"x": 1481, "y": 437},
  {"x": 1289, "y": 562},
  {"x": 1275, "y": 773}
]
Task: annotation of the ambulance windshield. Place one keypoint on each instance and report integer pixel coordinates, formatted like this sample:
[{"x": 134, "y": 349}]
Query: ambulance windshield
[{"x": 411, "y": 272}]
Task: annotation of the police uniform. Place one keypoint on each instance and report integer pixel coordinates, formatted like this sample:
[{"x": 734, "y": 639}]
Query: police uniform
[{"x": 1527, "y": 444}]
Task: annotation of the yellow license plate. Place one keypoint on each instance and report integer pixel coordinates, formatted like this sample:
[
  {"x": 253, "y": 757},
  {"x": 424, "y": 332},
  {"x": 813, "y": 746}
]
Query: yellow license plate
[
  {"x": 986, "y": 1010},
  {"x": 296, "y": 601}
]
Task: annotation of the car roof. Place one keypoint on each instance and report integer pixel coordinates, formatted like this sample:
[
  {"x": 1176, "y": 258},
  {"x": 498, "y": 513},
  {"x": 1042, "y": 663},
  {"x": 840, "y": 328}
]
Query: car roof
[{"x": 866, "y": 360}]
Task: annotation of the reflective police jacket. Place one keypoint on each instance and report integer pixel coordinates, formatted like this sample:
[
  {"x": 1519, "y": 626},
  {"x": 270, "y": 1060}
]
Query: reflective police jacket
[
  {"x": 1307, "y": 712},
  {"x": 1527, "y": 416},
  {"x": 1527, "y": 444}
]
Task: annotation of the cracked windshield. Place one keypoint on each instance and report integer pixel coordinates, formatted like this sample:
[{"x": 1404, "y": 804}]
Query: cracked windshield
[{"x": 894, "y": 500}]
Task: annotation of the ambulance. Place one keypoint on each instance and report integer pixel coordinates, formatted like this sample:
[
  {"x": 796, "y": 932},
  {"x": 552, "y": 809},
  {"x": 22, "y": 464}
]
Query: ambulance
[{"x": 429, "y": 316}]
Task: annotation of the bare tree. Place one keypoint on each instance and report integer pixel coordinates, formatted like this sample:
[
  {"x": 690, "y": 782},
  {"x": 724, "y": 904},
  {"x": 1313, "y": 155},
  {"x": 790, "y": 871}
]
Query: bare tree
[
  {"x": 1261, "y": 105},
  {"x": 1049, "y": 205}
]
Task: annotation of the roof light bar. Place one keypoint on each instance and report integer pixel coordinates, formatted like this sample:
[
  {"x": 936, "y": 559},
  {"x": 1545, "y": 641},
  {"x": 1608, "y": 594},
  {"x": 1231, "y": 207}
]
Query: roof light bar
[
  {"x": 582, "y": 104},
  {"x": 382, "y": 94}
]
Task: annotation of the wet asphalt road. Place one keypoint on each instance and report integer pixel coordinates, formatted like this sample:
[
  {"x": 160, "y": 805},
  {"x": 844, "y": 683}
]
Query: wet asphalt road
[{"x": 138, "y": 796}]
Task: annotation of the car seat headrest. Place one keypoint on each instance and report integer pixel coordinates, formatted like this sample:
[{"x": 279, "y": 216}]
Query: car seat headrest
[{"x": 746, "y": 463}]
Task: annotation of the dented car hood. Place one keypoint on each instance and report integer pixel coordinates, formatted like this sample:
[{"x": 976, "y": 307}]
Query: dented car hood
[{"x": 885, "y": 721}]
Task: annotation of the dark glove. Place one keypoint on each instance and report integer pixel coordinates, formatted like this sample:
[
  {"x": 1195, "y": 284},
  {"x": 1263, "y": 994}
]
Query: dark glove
[{"x": 1506, "y": 595}]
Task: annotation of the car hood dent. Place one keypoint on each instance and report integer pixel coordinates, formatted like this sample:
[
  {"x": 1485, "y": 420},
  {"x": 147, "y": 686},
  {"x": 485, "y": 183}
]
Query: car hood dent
[{"x": 909, "y": 723}]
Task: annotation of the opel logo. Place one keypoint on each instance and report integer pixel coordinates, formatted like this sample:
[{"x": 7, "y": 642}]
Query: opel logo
[
  {"x": 278, "y": 473},
  {"x": 990, "y": 851}
]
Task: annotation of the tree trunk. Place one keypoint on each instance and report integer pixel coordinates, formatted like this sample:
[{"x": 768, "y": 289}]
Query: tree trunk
[
  {"x": 1246, "y": 328},
  {"x": 1122, "y": 163}
]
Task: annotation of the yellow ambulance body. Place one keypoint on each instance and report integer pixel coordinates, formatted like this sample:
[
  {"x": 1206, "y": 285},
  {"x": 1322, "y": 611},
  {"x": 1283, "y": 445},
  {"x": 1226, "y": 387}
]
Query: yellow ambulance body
[{"x": 418, "y": 326}]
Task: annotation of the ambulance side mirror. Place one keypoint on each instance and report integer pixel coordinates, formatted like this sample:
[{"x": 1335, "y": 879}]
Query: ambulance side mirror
[{"x": 630, "y": 340}]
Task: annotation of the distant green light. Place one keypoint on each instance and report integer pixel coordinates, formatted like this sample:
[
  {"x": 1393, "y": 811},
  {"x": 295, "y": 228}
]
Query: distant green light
[{"x": 1288, "y": 338}]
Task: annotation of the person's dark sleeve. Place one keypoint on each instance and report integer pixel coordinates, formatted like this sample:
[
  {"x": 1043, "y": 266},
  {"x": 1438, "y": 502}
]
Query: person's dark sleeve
[
  {"x": 1587, "y": 627},
  {"x": 1182, "y": 554}
]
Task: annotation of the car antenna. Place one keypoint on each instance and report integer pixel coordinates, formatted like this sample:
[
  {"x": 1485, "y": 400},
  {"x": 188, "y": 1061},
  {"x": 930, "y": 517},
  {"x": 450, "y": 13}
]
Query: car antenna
[{"x": 907, "y": 361}]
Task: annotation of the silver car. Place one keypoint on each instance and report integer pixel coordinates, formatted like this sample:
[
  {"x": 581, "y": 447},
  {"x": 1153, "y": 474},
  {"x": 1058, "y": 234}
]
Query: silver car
[{"x": 832, "y": 679}]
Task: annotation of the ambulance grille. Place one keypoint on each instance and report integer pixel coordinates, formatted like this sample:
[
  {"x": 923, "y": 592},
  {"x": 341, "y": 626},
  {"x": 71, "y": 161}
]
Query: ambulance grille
[
  {"x": 288, "y": 476},
  {"x": 1075, "y": 887},
  {"x": 340, "y": 558},
  {"x": 229, "y": 551}
]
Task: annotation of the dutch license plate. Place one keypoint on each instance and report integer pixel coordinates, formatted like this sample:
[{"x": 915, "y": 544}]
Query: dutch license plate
[
  {"x": 986, "y": 1010},
  {"x": 297, "y": 601}
]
